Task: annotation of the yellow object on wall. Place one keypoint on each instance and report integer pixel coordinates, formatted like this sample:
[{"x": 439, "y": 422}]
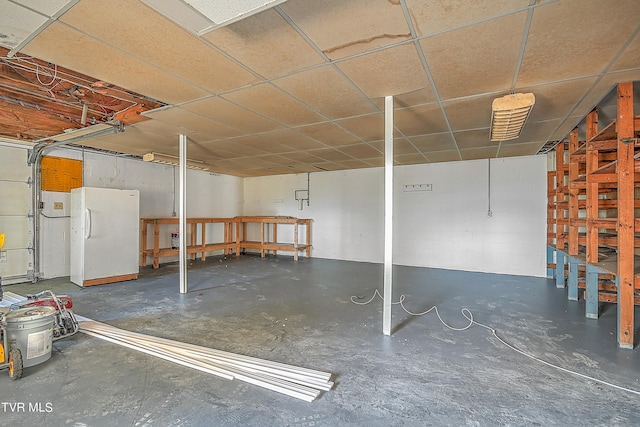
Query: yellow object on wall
[
  {"x": 1, "y": 240},
  {"x": 60, "y": 174}
]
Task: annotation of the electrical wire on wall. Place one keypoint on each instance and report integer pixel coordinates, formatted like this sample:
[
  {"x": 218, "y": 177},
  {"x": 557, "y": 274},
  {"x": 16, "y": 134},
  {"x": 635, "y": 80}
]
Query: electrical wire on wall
[
  {"x": 489, "y": 213},
  {"x": 467, "y": 314}
]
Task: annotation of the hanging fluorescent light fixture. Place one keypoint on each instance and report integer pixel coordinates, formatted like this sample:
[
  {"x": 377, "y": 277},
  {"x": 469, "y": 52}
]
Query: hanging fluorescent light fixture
[
  {"x": 168, "y": 159},
  {"x": 509, "y": 114}
]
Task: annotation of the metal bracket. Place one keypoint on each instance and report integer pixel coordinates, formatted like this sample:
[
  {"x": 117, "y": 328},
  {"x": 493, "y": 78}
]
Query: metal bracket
[{"x": 629, "y": 140}]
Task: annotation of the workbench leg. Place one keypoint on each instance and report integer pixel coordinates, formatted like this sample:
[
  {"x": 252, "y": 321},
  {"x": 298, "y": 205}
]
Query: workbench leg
[
  {"x": 550, "y": 271},
  {"x": 203, "y": 242},
  {"x": 143, "y": 243},
  {"x": 592, "y": 292},
  {"x": 238, "y": 237},
  {"x": 193, "y": 239},
  {"x": 275, "y": 236},
  {"x": 573, "y": 279},
  {"x": 156, "y": 245},
  {"x": 308, "y": 225},
  {"x": 295, "y": 241},
  {"x": 560, "y": 279},
  {"x": 262, "y": 239}
]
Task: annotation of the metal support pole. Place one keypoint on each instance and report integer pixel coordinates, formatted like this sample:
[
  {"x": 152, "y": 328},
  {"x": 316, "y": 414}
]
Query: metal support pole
[
  {"x": 388, "y": 214},
  {"x": 183, "y": 214}
]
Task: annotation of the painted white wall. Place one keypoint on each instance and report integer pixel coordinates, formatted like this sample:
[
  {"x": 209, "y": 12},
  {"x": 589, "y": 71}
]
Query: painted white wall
[
  {"x": 447, "y": 227},
  {"x": 208, "y": 195}
]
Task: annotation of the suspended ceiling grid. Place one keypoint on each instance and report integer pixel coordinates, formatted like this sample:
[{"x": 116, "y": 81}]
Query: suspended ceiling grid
[{"x": 299, "y": 87}]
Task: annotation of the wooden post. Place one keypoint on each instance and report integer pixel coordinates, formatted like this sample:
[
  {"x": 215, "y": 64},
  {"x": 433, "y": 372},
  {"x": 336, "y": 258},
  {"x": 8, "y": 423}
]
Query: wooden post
[
  {"x": 626, "y": 226},
  {"x": 203, "y": 242},
  {"x": 573, "y": 194},
  {"x": 275, "y": 236},
  {"x": 194, "y": 229},
  {"x": 560, "y": 196},
  {"x": 262, "y": 252},
  {"x": 156, "y": 244},
  {"x": 308, "y": 226},
  {"x": 592, "y": 190},
  {"x": 143, "y": 242}
]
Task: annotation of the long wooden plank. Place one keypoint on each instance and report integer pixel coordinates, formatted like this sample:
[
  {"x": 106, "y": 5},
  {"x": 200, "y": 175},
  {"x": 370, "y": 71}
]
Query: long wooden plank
[{"x": 626, "y": 223}]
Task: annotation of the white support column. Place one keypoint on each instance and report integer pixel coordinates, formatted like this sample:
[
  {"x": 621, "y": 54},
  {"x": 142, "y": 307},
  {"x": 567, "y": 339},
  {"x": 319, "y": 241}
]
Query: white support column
[
  {"x": 388, "y": 214},
  {"x": 183, "y": 214}
]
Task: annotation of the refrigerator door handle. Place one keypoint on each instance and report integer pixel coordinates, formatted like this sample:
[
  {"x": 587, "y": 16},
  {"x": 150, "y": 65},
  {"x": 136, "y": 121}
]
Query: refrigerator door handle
[{"x": 87, "y": 219}]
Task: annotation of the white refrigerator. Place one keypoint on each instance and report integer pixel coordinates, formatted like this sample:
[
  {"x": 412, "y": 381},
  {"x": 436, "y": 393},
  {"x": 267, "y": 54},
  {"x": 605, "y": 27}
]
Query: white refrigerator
[{"x": 105, "y": 235}]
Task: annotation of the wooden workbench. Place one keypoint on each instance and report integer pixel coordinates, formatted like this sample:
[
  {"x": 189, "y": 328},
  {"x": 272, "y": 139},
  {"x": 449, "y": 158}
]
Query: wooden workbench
[{"x": 233, "y": 239}]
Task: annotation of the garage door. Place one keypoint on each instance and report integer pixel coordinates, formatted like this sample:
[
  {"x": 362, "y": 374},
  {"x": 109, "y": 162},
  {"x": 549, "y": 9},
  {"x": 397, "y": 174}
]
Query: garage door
[{"x": 16, "y": 256}]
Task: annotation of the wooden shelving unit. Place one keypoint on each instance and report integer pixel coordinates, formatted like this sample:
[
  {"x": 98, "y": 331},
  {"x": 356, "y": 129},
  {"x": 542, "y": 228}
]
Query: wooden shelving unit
[
  {"x": 233, "y": 238},
  {"x": 601, "y": 241}
]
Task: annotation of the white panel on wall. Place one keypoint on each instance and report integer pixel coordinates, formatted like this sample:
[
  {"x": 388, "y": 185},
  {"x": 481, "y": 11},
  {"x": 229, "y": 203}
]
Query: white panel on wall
[{"x": 446, "y": 226}]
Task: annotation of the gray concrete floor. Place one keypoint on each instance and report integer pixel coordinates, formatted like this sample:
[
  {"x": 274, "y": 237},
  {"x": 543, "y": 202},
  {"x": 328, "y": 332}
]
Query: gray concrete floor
[{"x": 300, "y": 313}]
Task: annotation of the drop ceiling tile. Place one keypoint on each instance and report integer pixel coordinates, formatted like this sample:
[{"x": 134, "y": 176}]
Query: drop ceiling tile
[
  {"x": 566, "y": 36},
  {"x": 630, "y": 57},
  {"x": 401, "y": 146},
  {"x": 433, "y": 142},
  {"x": 161, "y": 128},
  {"x": 474, "y": 139},
  {"x": 221, "y": 110},
  {"x": 326, "y": 91},
  {"x": 537, "y": 131},
  {"x": 60, "y": 45},
  {"x": 265, "y": 144},
  {"x": 514, "y": 150},
  {"x": 391, "y": 71},
  {"x": 410, "y": 159},
  {"x": 443, "y": 156},
  {"x": 270, "y": 102},
  {"x": 132, "y": 141},
  {"x": 207, "y": 128},
  {"x": 477, "y": 59},
  {"x": 294, "y": 140},
  {"x": 329, "y": 134},
  {"x": 331, "y": 24},
  {"x": 479, "y": 153},
  {"x": 557, "y": 100},
  {"x": 327, "y": 166},
  {"x": 375, "y": 162},
  {"x": 266, "y": 43},
  {"x": 302, "y": 157},
  {"x": 420, "y": 120},
  {"x": 470, "y": 113},
  {"x": 368, "y": 128},
  {"x": 360, "y": 151},
  {"x": 45, "y": 7},
  {"x": 330, "y": 154},
  {"x": 353, "y": 164},
  {"x": 277, "y": 159},
  {"x": 409, "y": 99},
  {"x": 178, "y": 52},
  {"x": 431, "y": 17},
  {"x": 237, "y": 147},
  {"x": 17, "y": 23},
  {"x": 208, "y": 153}
]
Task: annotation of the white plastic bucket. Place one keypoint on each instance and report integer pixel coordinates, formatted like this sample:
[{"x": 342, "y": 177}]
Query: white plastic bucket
[{"x": 31, "y": 329}]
